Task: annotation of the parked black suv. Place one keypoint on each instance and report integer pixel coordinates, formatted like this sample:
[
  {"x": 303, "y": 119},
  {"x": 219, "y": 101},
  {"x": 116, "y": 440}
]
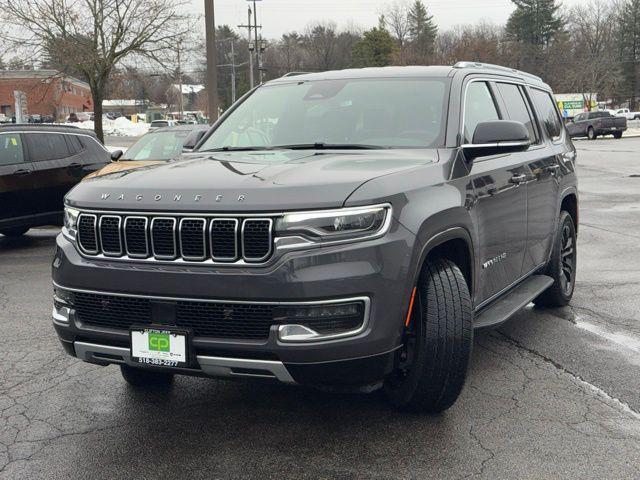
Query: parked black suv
[
  {"x": 338, "y": 229},
  {"x": 38, "y": 166}
]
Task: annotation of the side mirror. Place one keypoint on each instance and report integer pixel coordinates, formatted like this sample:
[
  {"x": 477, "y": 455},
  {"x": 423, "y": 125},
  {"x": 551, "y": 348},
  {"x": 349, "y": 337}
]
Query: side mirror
[
  {"x": 497, "y": 137},
  {"x": 115, "y": 156},
  {"x": 192, "y": 141}
]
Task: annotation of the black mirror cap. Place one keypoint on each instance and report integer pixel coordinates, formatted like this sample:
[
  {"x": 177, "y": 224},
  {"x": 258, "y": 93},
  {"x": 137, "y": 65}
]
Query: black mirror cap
[
  {"x": 498, "y": 137},
  {"x": 115, "y": 156}
]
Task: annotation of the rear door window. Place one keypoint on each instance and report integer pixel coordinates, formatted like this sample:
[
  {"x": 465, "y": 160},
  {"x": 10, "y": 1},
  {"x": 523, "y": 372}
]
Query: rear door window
[
  {"x": 46, "y": 146},
  {"x": 516, "y": 105},
  {"x": 548, "y": 113},
  {"x": 479, "y": 106},
  {"x": 75, "y": 146},
  {"x": 11, "y": 150}
]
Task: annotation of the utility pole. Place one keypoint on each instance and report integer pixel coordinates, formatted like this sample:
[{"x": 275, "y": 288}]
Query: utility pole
[
  {"x": 212, "y": 60},
  {"x": 181, "y": 94},
  {"x": 257, "y": 45},
  {"x": 233, "y": 72}
]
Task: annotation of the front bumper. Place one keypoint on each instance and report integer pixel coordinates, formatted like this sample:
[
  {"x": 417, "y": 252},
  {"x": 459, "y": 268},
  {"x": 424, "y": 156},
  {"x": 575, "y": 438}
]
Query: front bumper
[{"x": 377, "y": 269}]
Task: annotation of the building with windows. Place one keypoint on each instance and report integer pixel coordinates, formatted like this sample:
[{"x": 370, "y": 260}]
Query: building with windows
[{"x": 48, "y": 93}]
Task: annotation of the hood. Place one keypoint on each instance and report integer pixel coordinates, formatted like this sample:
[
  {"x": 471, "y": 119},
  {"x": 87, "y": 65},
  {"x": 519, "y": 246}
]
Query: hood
[
  {"x": 245, "y": 181},
  {"x": 121, "y": 166}
]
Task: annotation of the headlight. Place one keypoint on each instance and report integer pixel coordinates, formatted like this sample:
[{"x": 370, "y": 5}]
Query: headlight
[
  {"x": 70, "y": 222},
  {"x": 336, "y": 225}
]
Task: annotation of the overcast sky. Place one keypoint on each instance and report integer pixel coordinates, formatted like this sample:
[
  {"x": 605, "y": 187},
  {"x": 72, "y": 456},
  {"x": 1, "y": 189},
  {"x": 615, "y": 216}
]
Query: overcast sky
[{"x": 279, "y": 16}]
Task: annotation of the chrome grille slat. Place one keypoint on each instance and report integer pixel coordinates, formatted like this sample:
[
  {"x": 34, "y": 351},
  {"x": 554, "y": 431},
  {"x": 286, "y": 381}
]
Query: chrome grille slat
[
  {"x": 175, "y": 238},
  {"x": 110, "y": 236}
]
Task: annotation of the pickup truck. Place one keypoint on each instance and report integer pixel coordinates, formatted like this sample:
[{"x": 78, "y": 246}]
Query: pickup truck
[
  {"x": 594, "y": 124},
  {"x": 342, "y": 230},
  {"x": 625, "y": 112}
]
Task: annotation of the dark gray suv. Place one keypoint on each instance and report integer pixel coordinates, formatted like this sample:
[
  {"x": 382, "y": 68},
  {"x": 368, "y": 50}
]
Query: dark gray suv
[{"x": 344, "y": 229}]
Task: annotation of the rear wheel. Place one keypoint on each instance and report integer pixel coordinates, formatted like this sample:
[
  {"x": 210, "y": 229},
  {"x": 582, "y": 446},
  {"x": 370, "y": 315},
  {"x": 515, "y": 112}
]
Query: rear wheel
[
  {"x": 562, "y": 265},
  {"x": 591, "y": 134},
  {"x": 432, "y": 365},
  {"x": 139, "y": 377},
  {"x": 617, "y": 134},
  {"x": 14, "y": 232}
]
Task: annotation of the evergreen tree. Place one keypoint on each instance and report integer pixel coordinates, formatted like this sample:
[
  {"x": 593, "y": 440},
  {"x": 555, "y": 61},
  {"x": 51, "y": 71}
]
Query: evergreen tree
[
  {"x": 422, "y": 30},
  {"x": 534, "y": 22},
  {"x": 629, "y": 48},
  {"x": 375, "y": 49}
]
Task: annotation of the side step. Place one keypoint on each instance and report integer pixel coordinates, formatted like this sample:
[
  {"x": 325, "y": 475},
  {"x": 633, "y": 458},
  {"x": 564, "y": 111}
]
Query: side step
[{"x": 502, "y": 309}]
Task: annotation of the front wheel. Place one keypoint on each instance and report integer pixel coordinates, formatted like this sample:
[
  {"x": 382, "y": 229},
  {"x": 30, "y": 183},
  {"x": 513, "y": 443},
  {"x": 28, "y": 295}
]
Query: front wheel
[
  {"x": 617, "y": 135},
  {"x": 591, "y": 134},
  {"x": 431, "y": 367},
  {"x": 562, "y": 265}
]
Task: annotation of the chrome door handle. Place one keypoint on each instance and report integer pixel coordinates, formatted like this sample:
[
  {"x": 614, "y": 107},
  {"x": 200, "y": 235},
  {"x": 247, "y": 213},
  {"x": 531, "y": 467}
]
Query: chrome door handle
[
  {"x": 22, "y": 172},
  {"x": 518, "y": 179}
]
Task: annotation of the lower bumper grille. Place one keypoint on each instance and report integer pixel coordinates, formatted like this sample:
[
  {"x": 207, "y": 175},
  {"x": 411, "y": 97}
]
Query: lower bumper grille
[{"x": 250, "y": 321}]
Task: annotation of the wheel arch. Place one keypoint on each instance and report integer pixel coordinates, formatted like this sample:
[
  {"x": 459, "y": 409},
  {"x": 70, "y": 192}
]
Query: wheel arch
[{"x": 569, "y": 203}]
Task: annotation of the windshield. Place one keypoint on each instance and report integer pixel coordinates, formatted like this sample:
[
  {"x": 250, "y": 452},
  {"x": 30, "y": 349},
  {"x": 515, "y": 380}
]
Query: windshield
[
  {"x": 377, "y": 113},
  {"x": 157, "y": 146}
]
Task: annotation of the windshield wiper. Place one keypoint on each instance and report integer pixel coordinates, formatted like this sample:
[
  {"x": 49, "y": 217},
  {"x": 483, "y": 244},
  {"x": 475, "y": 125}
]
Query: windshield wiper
[
  {"x": 237, "y": 149},
  {"x": 329, "y": 146}
]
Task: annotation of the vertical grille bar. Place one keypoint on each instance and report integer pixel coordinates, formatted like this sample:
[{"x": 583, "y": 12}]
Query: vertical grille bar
[
  {"x": 193, "y": 243},
  {"x": 87, "y": 233},
  {"x": 223, "y": 234},
  {"x": 110, "y": 235},
  {"x": 256, "y": 239},
  {"x": 163, "y": 238},
  {"x": 136, "y": 238}
]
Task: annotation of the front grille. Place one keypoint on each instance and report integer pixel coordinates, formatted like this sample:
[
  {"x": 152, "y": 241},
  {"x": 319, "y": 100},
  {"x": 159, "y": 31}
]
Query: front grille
[
  {"x": 168, "y": 238},
  {"x": 250, "y": 321}
]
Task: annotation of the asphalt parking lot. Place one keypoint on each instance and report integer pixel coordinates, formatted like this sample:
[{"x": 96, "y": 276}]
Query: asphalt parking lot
[{"x": 552, "y": 394}]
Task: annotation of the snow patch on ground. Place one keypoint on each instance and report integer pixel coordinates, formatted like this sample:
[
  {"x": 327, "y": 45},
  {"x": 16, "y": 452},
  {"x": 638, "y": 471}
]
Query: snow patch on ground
[{"x": 120, "y": 127}]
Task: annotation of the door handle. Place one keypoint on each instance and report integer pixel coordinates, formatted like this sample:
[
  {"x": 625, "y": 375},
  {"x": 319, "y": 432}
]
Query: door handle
[
  {"x": 518, "y": 178},
  {"x": 22, "y": 172},
  {"x": 75, "y": 166}
]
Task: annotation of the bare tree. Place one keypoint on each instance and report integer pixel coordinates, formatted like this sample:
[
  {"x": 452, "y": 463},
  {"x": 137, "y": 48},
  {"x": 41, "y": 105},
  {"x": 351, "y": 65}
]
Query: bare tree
[
  {"x": 396, "y": 17},
  {"x": 320, "y": 42},
  {"x": 91, "y": 37}
]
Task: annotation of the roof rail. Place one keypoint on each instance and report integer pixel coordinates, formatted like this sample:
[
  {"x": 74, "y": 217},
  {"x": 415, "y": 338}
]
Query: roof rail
[
  {"x": 42, "y": 125},
  {"x": 491, "y": 66},
  {"x": 294, "y": 74}
]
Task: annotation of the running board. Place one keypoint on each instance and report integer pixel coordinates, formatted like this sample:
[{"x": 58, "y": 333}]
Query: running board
[{"x": 513, "y": 301}]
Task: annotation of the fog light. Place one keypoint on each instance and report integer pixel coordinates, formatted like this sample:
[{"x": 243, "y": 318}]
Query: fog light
[
  {"x": 62, "y": 297},
  {"x": 306, "y": 323}
]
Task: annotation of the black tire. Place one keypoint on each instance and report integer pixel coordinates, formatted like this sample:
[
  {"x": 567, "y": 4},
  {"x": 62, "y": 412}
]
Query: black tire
[
  {"x": 14, "y": 232},
  {"x": 139, "y": 377},
  {"x": 617, "y": 135},
  {"x": 591, "y": 134},
  {"x": 432, "y": 366},
  {"x": 562, "y": 265}
]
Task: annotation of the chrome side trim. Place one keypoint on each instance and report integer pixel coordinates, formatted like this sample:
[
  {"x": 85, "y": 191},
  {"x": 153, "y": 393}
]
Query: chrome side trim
[
  {"x": 175, "y": 247},
  {"x": 264, "y": 257},
  {"x": 235, "y": 242},
  {"x": 213, "y": 366},
  {"x": 95, "y": 233},
  {"x": 204, "y": 239},
  {"x": 104, "y": 251},
  {"x": 146, "y": 237}
]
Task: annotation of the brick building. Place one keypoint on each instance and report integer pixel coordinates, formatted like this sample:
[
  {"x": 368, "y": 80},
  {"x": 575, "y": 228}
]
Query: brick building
[{"x": 48, "y": 92}]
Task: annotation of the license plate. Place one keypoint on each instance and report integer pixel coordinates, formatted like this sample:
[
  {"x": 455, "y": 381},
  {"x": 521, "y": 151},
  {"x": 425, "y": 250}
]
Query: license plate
[{"x": 159, "y": 346}]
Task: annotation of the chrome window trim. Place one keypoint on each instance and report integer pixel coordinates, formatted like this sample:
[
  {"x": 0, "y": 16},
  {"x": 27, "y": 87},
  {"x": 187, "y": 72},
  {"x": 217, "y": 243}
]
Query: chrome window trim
[
  {"x": 146, "y": 237},
  {"x": 175, "y": 246},
  {"x": 264, "y": 257},
  {"x": 105, "y": 252},
  {"x": 95, "y": 232},
  {"x": 235, "y": 242},
  {"x": 334, "y": 337},
  {"x": 204, "y": 239}
]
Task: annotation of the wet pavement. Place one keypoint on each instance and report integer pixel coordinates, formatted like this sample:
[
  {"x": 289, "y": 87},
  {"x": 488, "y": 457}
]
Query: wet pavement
[{"x": 552, "y": 394}]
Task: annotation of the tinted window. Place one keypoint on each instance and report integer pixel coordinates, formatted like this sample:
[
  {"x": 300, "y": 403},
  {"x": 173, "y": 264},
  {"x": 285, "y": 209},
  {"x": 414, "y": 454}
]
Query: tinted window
[
  {"x": 478, "y": 107},
  {"x": 599, "y": 115},
  {"x": 159, "y": 123},
  {"x": 46, "y": 146},
  {"x": 74, "y": 144},
  {"x": 546, "y": 108},
  {"x": 11, "y": 151},
  {"x": 517, "y": 107}
]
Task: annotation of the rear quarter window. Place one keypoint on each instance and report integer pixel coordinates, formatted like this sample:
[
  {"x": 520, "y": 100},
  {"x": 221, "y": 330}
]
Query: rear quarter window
[{"x": 548, "y": 113}]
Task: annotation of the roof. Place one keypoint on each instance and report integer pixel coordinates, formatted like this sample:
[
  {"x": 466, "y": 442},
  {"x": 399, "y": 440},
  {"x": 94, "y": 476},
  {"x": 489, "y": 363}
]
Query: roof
[
  {"x": 432, "y": 71},
  {"x": 124, "y": 103},
  {"x": 42, "y": 74},
  {"x": 42, "y": 127}
]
